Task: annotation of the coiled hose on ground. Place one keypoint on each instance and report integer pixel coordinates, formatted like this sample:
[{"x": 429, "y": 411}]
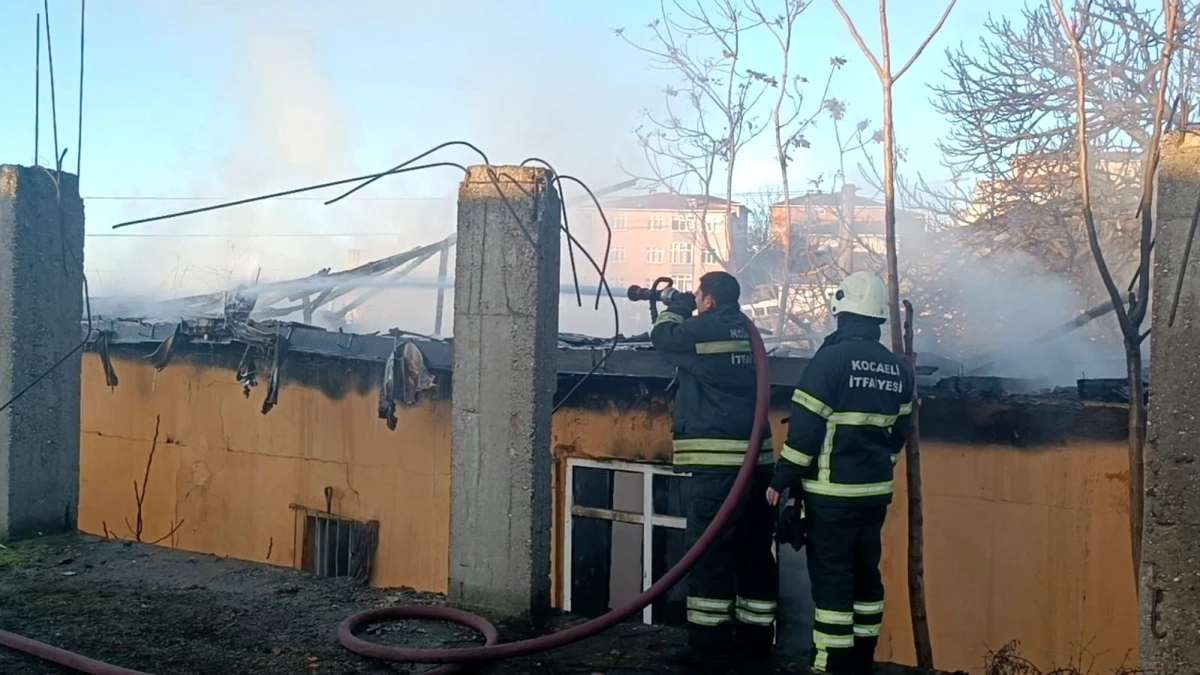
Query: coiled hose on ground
[{"x": 492, "y": 650}]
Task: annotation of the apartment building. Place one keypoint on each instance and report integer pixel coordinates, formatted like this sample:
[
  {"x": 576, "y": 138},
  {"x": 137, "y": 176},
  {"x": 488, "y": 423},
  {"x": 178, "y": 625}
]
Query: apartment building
[
  {"x": 1043, "y": 178},
  {"x": 825, "y": 219},
  {"x": 832, "y": 234},
  {"x": 671, "y": 235}
]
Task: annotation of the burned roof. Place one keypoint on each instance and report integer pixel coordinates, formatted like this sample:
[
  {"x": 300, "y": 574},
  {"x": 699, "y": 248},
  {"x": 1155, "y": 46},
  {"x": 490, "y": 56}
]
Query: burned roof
[
  {"x": 403, "y": 365},
  {"x": 237, "y": 319},
  {"x": 577, "y": 354}
]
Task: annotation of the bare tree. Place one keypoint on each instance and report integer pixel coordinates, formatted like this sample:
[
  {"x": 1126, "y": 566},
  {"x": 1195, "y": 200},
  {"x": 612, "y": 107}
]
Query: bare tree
[
  {"x": 1012, "y": 104},
  {"x": 887, "y": 79},
  {"x": 789, "y": 136},
  {"x": 759, "y": 235},
  {"x": 821, "y": 239},
  {"x": 1013, "y": 200},
  {"x": 1129, "y": 316},
  {"x": 1012, "y": 99},
  {"x": 708, "y": 115}
]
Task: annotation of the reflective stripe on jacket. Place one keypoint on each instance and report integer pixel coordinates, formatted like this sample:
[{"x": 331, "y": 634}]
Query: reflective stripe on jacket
[
  {"x": 849, "y": 419},
  {"x": 715, "y": 397}
]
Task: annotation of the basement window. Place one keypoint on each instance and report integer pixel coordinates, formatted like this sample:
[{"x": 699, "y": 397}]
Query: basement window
[
  {"x": 335, "y": 547},
  {"x": 623, "y": 529}
]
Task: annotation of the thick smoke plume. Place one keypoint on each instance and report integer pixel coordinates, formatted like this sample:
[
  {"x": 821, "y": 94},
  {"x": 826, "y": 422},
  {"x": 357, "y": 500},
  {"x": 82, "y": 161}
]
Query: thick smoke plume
[
  {"x": 1004, "y": 314},
  {"x": 292, "y": 124}
]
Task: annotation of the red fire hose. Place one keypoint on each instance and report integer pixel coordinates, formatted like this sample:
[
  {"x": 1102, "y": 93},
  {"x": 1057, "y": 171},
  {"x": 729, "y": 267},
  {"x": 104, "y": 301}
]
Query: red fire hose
[{"x": 491, "y": 650}]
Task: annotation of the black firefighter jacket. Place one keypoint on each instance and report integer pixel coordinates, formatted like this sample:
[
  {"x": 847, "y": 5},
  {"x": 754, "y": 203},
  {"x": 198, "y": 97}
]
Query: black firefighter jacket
[
  {"x": 714, "y": 402},
  {"x": 849, "y": 419}
]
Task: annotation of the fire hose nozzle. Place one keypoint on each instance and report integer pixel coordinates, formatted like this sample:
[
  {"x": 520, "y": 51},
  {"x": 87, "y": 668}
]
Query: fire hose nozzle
[{"x": 639, "y": 293}]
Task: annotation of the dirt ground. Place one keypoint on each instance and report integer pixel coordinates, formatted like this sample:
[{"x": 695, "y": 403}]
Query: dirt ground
[{"x": 171, "y": 612}]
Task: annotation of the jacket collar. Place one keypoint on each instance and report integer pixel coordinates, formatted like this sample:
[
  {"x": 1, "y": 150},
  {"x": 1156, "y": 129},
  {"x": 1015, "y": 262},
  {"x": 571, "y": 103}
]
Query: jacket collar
[{"x": 854, "y": 327}]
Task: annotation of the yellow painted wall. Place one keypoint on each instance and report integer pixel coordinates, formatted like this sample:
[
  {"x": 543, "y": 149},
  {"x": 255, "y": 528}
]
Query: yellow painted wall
[
  {"x": 1026, "y": 544},
  {"x": 1020, "y": 544},
  {"x": 225, "y": 474}
]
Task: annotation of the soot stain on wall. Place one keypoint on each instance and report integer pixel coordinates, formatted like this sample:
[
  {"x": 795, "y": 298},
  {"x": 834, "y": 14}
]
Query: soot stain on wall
[
  {"x": 1016, "y": 421},
  {"x": 335, "y": 378}
]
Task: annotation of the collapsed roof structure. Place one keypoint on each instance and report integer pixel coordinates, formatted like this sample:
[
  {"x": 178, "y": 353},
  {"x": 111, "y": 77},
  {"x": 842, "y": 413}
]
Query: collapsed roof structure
[{"x": 258, "y": 321}]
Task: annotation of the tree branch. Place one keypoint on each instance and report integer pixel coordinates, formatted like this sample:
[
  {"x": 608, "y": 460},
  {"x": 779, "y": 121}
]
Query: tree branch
[
  {"x": 928, "y": 38},
  {"x": 858, "y": 39},
  {"x": 1085, "y": 183}
]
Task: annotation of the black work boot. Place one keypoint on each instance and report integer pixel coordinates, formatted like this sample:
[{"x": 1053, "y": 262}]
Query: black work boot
[
  {"x": 707, "y": 650},
  {"x": 864, "y": 655},
  {"x": 711, "y": 642},
  {"x": 754, "y": 642}
]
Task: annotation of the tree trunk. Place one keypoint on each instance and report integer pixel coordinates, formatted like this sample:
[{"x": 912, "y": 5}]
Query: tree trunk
[
  {"x": 785, "y": 280},
  {"x": 1137, "y": 455},
  {"x": 922, "y": 643},
  {"x": 916, "y": 543},
  {"x": 846, "y": 236},
  {"x": 786, "y": 267},
  {"x": 889, "y": 215},
  {"x": 732, "y": 255}
]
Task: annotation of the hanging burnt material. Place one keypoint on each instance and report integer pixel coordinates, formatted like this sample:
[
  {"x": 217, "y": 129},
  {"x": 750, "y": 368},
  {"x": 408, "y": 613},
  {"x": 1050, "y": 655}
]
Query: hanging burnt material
[
  {"x": 387, "y": 398},
  {"x": 110, "y": 375},
  {"x": 417, "y": 377},
  {"x": 406, "y": 385},
  {"x": 273, "y": 381},
  {"x": 247, "y": 372},
  {"x": 162, "y": 356}
]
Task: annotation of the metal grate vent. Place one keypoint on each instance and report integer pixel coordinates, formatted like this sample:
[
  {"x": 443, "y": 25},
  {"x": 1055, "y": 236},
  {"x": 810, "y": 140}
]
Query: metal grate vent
[{"x": 335, "y": 547}]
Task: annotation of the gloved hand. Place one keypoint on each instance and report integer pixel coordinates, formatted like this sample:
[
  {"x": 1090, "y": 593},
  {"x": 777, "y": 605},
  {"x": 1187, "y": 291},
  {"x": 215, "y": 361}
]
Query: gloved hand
[
  {"x": 790, "y": 528},
  {"x": 682, "y": 304}
]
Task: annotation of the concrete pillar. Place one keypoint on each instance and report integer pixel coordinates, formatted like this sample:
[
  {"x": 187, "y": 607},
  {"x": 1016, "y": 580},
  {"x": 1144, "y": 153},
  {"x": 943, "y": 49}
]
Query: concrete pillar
[
  {"x": 41, "y": 302},
  {"x": 1170, "y": 589},
  {"x": 505, "y": 336}
]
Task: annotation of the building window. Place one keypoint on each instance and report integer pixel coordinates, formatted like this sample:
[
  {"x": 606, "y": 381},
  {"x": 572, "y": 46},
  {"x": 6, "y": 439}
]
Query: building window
[
  {"x": 618, "y": 254},
  {"x": 681, "y": 253},
  {"x": 657, "y": 223},
  {"x": 710, "y": 257},
  {"x": 683, "y": 222},
  {"x": 616, "y": 283},
  {"x": 624, "y": 528},
  {"x": 683, "y": 282},
  {"x": 619, "y": 222},
  {"x": 654, "y": 254},
  {"x": 714, "y": 222},
  {"x": 334, "y": 546}
]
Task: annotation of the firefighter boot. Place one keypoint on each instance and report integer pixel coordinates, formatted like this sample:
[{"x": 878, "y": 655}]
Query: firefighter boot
[
  {"x": 864, "y": 655},
  {"x": 755, "y": 642},
  {"x": 707, "y": 648}
]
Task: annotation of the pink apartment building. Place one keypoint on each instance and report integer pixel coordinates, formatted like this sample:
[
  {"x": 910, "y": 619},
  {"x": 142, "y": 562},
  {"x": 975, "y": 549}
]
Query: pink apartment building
[{"x": 670, "y": 235}]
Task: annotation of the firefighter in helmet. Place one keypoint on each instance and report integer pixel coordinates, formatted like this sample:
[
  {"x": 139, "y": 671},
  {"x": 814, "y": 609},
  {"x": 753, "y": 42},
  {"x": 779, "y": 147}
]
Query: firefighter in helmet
[{"x": 849, "y": 421}]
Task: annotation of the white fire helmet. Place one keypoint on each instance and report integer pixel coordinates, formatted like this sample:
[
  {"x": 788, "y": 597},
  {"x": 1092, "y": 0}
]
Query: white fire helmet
[{"x": 861, "y": 293}]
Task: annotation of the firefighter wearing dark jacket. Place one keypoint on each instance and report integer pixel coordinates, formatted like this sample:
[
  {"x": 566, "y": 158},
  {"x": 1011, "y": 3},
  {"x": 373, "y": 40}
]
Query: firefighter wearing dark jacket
[
  {"x": 733, "y": 589},
  {"x": 849, "y": 420}
]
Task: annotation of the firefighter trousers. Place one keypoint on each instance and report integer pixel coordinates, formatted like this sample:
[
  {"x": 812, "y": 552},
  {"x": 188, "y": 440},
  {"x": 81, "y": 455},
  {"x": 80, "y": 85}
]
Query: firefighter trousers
[
  {"x": 736, "y": 582},
  {"x": 843, "y": 549}
]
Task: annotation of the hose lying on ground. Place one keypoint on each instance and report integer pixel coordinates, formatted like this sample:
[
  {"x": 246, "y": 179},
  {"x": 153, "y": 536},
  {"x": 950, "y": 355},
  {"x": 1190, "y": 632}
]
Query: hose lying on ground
[{"x": 492, "y": 650}]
